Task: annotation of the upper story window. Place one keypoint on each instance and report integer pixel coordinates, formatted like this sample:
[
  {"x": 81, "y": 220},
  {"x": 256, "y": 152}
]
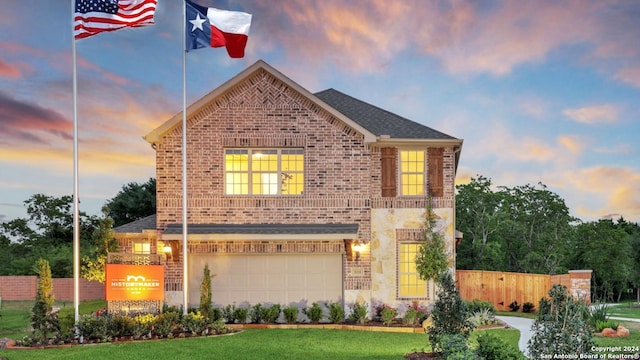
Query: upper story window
[
  {"x": 420, "y": 172},
  {"x": 264, "y": 171},
  {"x": 412, "y": 172}
]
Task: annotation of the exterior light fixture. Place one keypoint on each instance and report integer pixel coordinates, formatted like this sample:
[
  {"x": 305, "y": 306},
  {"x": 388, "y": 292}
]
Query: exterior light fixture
[{"x": 167, "y": 251}]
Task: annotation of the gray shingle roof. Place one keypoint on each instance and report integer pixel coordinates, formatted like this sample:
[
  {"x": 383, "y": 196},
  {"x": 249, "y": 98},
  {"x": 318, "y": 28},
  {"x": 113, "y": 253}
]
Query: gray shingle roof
[
  {"x": 377, "y": 120},
  {"x": 297, "y": 229},
  {"x": 137, "y": 226}
]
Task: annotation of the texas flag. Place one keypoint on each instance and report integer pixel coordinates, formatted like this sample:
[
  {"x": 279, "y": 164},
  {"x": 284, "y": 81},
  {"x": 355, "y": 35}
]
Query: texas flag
[{"x": 209, "y": 27}]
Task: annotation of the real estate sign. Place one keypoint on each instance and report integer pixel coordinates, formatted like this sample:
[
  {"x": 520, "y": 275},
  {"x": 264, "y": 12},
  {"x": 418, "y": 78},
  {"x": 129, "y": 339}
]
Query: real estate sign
[{"x": 134, "y": 282}]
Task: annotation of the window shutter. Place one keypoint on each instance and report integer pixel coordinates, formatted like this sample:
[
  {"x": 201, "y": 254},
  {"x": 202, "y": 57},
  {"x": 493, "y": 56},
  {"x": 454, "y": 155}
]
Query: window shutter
[
  {"x": 389, "y": 176},
  {"x": 435, "y": 169}
]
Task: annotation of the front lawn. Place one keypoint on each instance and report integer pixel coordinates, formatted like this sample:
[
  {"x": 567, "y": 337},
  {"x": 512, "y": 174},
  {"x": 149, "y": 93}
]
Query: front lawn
[{"x": 250, "y": 344}]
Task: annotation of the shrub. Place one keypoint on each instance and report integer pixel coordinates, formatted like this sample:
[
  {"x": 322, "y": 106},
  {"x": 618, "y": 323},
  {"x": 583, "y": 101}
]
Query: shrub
[
  {"x": 528, "y": 307},
  {"x": 482, "y": 317},
  {"x": 450, "y": 314},
  {"x": 455, "y": 347},
  {"x": 410, "y": 317},
  {"x": 205, "y": 292},
  {"x": 388, "y": 314},
  {"x": 218, "y": 327},
  {"x": 91, "y": 327},
  {"x": 215, "y": 315},
  {"x": 358, "y": 313},
  {"x": 165, "y": 323},
  {"x": 596, "y": 313},
  {"x": 271, "y": 314},
  {"x": 476, "y": 305},
  {"x": 314, "y": 313},
  {"x": 194, "y": 322},
  {"x": 120, "y": 325},
  {"x": 514, "y": 306},
  {"x": 44, "y": 320},
  {"x": 241, "y": 314},
  {"x": 142, "y": 326},
  {"x": 255, "y": 313},
  {"x": 290, "y": 314},
  {"x": 229, "y": 313},
  {"x": 601, "y": 325},
  {"x": 494, "y": 348},
  {"x": 560, "y": 327},
  {"x": 336, "y": 313}
]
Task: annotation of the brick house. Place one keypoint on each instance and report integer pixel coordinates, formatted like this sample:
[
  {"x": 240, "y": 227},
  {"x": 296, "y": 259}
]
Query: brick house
[{"x": 296, "y": 197}]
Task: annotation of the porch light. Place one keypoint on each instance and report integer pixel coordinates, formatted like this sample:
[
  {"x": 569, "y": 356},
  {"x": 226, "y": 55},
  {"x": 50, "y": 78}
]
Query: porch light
[
  {"x": 358, "y": 247},
  {"x": 167, "y": 251}
]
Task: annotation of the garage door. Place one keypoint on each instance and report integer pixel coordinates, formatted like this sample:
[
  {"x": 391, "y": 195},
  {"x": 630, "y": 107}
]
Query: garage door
[{"x": 268, "y": 279}]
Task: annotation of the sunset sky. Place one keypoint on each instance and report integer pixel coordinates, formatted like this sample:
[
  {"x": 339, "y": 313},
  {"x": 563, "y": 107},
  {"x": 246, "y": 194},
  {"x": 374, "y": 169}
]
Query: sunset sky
[{"x": 540, "y": 91}]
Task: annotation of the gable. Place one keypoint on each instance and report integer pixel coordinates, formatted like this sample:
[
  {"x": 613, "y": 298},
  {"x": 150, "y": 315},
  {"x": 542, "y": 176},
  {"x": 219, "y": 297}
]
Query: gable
[{"x": 262, "y": 86}]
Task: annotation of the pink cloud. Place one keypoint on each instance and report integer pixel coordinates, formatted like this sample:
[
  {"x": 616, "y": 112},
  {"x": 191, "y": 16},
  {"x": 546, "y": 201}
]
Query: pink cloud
[
  {"x": 596, "y": 114},
  {"x": 9, "y": 70}
]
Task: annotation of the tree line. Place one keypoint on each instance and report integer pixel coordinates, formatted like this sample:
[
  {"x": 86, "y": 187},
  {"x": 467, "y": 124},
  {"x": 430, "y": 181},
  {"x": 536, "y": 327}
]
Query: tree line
[
  {"x": 528, "y": 229},
  {"x": 47, "y": 231},
  {"x": 521, "y": 229}
]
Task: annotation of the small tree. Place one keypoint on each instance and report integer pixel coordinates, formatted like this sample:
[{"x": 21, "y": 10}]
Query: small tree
[
  {"x": 43, "y": 320},
  {"x": 560, "y": 327},
  {"x": 205, "y": 293},
  {"x": 432, "y": 259},
  {"x": 93, "y": 267},
  {"x": 450, "y": 315}
]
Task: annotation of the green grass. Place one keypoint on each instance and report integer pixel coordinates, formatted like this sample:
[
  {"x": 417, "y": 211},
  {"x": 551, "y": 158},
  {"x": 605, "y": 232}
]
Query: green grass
[
  {"x": 627, "y": 310},
  {"x": 258, "y": 344},
  {"x": 250, "y": 344},
  {"x": 632, "y": 340},
  {"x": 15, "y": 316}
]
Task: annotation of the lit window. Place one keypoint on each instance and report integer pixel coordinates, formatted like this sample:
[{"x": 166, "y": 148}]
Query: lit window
[
  {"x": 409, "y": 282},
  {"x": 412, "y": 172},
  {"x": 141, "y": 247},
  {"x": 264, "y": 171}
]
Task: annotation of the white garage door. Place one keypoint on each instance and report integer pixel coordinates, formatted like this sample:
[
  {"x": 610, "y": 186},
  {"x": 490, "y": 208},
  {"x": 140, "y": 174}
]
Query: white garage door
[{"x": 268, "y": 279}]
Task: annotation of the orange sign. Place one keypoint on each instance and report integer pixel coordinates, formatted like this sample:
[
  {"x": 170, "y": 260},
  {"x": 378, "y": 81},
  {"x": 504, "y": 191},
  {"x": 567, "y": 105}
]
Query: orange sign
[{"x": 134, "y": 282}]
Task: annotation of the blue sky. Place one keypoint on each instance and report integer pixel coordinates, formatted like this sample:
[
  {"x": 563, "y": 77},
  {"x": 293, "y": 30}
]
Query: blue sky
[{"x": 540, "y": 91}]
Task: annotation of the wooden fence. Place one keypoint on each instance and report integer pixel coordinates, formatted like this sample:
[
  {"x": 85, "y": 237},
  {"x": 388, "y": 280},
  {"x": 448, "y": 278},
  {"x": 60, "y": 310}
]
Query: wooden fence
[{"x": 503, "y": 288}]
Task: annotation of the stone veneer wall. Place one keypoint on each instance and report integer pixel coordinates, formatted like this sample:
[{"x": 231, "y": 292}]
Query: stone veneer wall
[
  {"x": 389, "y": 227},
  {"x": 577, "y": 282}
]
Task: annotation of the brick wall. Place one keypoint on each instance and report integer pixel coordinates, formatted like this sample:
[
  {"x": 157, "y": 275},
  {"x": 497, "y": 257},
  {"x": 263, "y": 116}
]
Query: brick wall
[
  {"x": 25, "y": 288},
  {"x": 342, "y": 172},
  {"x": 18, "y": 287}
]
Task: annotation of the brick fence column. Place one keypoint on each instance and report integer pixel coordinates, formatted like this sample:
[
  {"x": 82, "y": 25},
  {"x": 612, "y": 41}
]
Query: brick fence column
[{"x": 581, "y": 284}]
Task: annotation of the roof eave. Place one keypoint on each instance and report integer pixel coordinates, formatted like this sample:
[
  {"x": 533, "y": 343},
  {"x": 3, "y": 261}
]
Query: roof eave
[{"x": 386, "y": 141}]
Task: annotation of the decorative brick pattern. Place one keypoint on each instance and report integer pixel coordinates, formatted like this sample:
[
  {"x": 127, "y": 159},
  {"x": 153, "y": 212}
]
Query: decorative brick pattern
[{"x": 266, "y": 247}]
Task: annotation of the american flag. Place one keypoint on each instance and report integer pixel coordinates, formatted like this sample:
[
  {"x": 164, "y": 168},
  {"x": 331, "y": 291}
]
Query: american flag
[{"x": 95, "y": 16}]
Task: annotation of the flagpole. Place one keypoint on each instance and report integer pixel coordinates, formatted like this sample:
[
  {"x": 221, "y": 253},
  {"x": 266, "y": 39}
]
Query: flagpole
[
  {"x": 76, "y": 202},
  {"x": 185, "y": 270}
]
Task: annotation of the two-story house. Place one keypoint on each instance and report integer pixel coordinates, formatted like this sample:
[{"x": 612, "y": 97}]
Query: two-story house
[{"x": 296, "y": 197}]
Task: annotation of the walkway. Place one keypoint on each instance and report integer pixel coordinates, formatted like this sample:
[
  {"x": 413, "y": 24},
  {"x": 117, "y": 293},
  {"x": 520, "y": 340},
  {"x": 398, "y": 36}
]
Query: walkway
[
  {"x": 521, "y": 324},
  {"x": 524, "y": 326}
]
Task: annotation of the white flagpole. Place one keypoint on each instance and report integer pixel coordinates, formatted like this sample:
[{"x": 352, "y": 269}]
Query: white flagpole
[
  {"x": 76, "y": 202},
  {"x": 185, "y": 270}
]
